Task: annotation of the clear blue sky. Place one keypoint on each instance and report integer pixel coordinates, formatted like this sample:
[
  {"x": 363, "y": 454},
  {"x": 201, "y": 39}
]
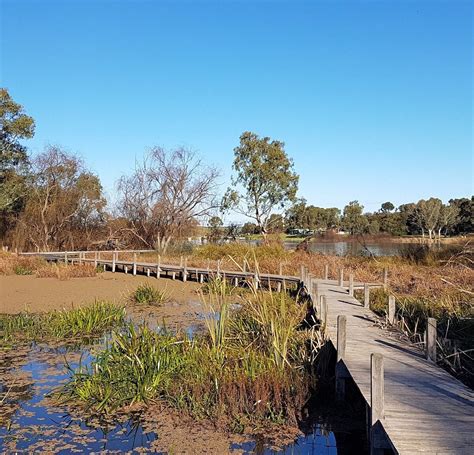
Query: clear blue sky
[{"x": 372, "y": 98}]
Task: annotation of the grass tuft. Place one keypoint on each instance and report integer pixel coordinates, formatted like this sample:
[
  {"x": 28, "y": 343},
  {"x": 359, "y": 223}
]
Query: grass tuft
[
  {"x": 146, "y": 294},
  {"x": 87, "y": 321}
]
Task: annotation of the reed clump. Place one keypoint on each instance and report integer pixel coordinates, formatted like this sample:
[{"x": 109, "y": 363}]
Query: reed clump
[
  {"x": 87, "y": 321},
  {"x": 146, "y": 294},
  {"x": 247, "y": 369}
]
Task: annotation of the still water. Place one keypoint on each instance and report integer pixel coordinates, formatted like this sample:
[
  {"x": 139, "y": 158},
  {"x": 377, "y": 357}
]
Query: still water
[
  {"x": 30, "y": 421},
  {"x": 353, "y": 248}
]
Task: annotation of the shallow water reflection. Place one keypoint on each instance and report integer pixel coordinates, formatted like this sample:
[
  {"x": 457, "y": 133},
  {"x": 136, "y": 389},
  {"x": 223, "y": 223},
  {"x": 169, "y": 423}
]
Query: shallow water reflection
[{"x": 34, "y": 423}]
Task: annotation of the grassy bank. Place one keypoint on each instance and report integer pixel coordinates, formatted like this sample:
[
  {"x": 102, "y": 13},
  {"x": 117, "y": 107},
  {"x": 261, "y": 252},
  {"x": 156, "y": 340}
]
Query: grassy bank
[
  {"x": 85, "y": 322},
  {"x": 252, "y": 366}
]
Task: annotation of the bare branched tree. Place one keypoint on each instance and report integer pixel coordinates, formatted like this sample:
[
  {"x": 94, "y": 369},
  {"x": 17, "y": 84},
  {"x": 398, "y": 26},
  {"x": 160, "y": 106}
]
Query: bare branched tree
[{"x": 166, "y": 195}]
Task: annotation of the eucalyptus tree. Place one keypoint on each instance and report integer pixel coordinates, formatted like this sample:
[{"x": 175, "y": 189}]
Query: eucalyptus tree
[
  {"x": 266, "y": 178},
  {"x": 15, "y": 126}
]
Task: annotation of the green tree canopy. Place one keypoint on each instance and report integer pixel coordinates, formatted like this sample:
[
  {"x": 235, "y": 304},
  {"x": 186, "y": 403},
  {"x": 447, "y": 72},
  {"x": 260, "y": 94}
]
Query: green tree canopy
[
  {"x": 352, "y": 218},
  {"x": 265, "y": 173},
  {"x": 15, "y": 126}
]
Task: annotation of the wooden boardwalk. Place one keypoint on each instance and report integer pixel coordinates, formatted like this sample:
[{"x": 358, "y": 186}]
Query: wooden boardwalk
[
  {"x": 415, "y": 406},
  {"x": 425, "y": 409}
]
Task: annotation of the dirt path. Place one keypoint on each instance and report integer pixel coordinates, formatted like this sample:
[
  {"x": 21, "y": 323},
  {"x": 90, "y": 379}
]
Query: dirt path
[{"x": 19, "y": 293}]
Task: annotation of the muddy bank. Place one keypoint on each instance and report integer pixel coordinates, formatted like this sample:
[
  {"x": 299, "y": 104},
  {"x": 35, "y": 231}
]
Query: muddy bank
[{"x": 20, "y": 293}]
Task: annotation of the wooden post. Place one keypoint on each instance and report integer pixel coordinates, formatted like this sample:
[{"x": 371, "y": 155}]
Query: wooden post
[
  {"x": 315, "y": 293},
  {"x": 65, "y": 257},
  {"x": 201, "y": 277},
  {"x": 95, "y": 259},
  {"x": 244, "y": 268},
  {"x": 173, "y": 275},
  {"x": 113, "y": 262},
  {"x": 158, "y": 267},
  {"x": 324, "y": 310},
  {"x": 181, "y": 262},
  {"x": 341, "y": 371},
  {"x": 236, "y": 281},
  {"x": 80, "y": 258},
  {"x": 341, "y": 277},
  {"x": 302, "y": 272},
  {"x": 351, "y": 284},
  {"x": 280, "y": 269},
  {"x": 385, "y": 278},
  {"x": 431, "y": 335},
  {"x": 255, "y": 281},
  {"x": 366, "y": 296},
  {"x": 185, "y": 270},
  {"x": 376, "y": 388},
  {"x": 326, "y": 271},
  {"x": 134, "y": 263},
  {"x": 391, "y": 310},
  {"x": 378, "y": 441},
  {"x": 125, "y": 269},
  {"x": 147, "y": 272},
  {"x": 279, "y": 286}
]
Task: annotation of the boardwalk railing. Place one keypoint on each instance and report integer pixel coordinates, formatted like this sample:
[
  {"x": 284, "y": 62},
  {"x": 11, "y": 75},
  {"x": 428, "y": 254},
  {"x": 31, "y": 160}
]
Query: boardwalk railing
[{"x": 413, "y": 405}]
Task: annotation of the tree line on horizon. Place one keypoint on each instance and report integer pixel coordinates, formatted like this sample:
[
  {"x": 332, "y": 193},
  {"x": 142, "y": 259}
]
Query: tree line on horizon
[{"x": 53, "y": 201}]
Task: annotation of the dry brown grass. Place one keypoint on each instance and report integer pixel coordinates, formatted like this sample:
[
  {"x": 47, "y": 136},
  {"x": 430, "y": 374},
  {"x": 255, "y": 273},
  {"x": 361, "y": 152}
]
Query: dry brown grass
[
  {"x": 436, "y": 281},
  {"x": 11, "y": 264},
  {"x": 65, "y": 272}
]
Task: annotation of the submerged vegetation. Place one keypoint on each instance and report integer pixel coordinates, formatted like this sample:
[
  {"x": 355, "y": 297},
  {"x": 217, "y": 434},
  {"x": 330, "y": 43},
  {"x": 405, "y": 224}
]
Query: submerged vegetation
[
  {"x": 253, "y": 365},
  {"x": 88, "y": 321}
]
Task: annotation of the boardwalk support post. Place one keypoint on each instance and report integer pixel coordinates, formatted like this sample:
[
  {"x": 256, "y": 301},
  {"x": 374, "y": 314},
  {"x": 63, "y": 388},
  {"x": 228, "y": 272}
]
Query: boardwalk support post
[
  {"x": 341, "y": 277},
  {"x": 95, "y": 259},
  {"x": 158, "y": 267},
  {"x": 341, "y": 370},
  {"x": 366, "y": 296},
  {"x": 65, "y": 257},
  {"x": 431, "y": 333},
  {"x": 113, "y": 262},
  {"x": 134, "y": 263},
  {"x": 391, "y": 310},
  {"x": 185, "y": 270},
  {"x": 378, "y": 440},
  {"x": 326, "y": 271},
  {"x": 385, "y": 278},
  {"x": 351, "y": 284},
  {"x": 255, "y": 281}
]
